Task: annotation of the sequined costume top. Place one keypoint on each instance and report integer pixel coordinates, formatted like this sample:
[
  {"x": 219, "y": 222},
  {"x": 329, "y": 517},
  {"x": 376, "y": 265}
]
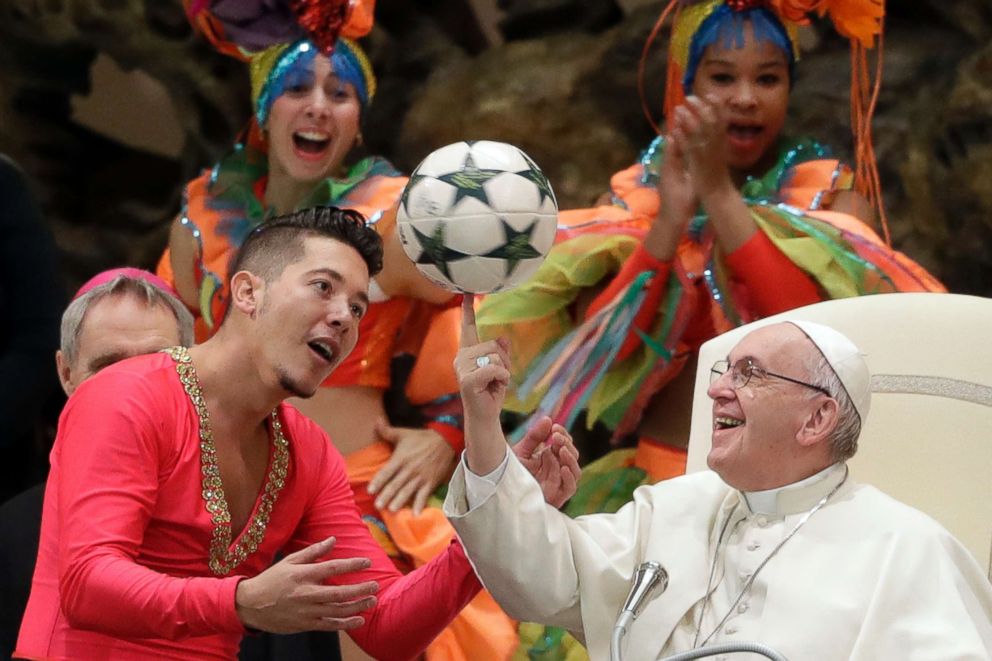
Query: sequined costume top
[{"x": 138, "y": 558}]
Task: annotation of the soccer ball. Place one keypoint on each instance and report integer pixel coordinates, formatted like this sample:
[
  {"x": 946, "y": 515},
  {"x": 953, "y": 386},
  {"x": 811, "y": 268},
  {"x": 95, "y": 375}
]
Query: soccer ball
[{"x": 477, "y": 217}]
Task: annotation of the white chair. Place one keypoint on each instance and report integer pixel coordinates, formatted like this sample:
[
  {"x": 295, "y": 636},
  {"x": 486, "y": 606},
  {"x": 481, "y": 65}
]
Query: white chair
[{"x": 928, "y": 439}]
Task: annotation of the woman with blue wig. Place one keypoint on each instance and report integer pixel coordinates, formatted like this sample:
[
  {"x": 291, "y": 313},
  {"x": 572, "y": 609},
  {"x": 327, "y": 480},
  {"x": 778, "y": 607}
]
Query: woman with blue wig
[
  {"x": 723, "y": 220},
  {"x": 311, "y": 86}
]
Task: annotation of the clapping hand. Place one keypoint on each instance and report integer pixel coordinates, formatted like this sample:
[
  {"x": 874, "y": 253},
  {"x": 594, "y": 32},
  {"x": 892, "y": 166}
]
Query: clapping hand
[
  {"x": 699, "y": 132},
  {"x": 679, "y": 196}
]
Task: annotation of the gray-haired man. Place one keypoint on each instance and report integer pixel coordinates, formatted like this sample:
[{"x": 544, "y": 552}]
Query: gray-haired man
[{"x": 115, "y": 315}]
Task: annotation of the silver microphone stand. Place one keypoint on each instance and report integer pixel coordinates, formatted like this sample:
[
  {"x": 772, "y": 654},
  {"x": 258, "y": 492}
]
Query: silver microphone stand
[
  {"x": 648, "y": 577},
  {"x": 727, "y": 648}
]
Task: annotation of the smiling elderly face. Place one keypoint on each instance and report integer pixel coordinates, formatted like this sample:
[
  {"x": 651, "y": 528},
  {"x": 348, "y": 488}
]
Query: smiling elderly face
[{"x": 757, "y": 427}]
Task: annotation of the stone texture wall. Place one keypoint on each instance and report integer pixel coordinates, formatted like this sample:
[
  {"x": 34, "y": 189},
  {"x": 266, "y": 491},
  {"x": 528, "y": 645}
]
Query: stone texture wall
[{"x": 562, "y": 87}]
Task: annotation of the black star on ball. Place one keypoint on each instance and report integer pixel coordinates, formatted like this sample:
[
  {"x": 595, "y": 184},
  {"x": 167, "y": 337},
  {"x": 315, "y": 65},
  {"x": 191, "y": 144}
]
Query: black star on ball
[
  {"x": 469, "y": 181},
  {"x": 516, "y": 247},
  {"x": 536, "y": 177},
  {"x": 415, "y": 178},
  {"x": 435, "y": 251}
]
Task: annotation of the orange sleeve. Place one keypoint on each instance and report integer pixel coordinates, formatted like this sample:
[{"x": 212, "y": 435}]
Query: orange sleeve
[
  {"x": 164, "y": 267},
  {"x": 640, "y": 200},
  {"x": 451, "y": 432},
  {"x": 767, "y": 281},
  {"x": 639, "y": 262},
  {"x": 433, "y": 374},
  {"x": 432, "y": 385}
]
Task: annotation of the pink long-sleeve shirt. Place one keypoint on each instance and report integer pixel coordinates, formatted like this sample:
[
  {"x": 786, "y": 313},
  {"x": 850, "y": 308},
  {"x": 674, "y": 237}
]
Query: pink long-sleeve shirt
[{"x": 122, "y": 568}]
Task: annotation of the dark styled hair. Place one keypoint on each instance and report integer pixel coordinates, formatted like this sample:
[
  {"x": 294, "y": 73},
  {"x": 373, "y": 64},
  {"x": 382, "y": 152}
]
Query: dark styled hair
[{"x": 274, "y": 244}]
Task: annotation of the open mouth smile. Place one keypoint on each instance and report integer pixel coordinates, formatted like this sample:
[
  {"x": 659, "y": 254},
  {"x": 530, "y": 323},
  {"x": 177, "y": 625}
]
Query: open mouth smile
[
  {"x": 311, "y": 143},
  {"x": 744, "y": 131},
  {"x": 744, "y": 136},
  {"x": 726, "y": 422}
]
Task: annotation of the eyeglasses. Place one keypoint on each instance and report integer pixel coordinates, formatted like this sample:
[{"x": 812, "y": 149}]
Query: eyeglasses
[{"x": 742, "y": 371}]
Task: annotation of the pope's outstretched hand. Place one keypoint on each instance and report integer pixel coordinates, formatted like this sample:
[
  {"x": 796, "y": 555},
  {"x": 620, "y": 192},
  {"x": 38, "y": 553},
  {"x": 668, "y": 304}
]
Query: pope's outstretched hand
[{"x": 547, "y": 451}]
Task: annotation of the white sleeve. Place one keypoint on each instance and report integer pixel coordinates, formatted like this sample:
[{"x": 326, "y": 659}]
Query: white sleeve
[{"x": 480, "y": 487}]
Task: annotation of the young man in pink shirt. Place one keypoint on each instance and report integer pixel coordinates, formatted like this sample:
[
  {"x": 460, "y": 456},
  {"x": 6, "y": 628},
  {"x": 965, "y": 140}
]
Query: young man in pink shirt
[{"x": 179, "y": 476}]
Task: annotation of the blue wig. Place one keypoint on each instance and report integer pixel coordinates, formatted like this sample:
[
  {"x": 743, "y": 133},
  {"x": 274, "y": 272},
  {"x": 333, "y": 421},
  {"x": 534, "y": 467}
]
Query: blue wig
[{"x": 725, "y": 26}]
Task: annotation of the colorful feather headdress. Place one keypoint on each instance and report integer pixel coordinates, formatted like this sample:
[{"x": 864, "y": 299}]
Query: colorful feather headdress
[
  {"x": 860, "y": 21},
  {"x": 274, "y": 36},
  {"x": 241, "y": 27}
]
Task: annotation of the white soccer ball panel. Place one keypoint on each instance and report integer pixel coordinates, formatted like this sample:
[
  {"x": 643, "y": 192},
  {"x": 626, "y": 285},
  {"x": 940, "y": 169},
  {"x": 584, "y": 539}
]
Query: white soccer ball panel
[
  {"x": 476, "y": 235},
  {"x": 428, "y": 197},
  {"x": 498, "y": 156},
  {"x": 509, "y": 192},
  {"x": 434, "y": 274},
  {"x": 408, "y": 239},
  {"x": 472, "y": 235},
  {"x": 544, "y": 234},
  {"x": 525, "y": 269},
  {"x": 478, "y": 275},
  {"x": 445, "y": 160},
  {"x": 469, "y": 206}
]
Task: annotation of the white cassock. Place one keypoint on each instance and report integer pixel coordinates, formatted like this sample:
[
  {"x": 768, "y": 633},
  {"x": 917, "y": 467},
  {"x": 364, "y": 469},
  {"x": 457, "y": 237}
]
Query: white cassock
[{"x": 865, "y": 577}]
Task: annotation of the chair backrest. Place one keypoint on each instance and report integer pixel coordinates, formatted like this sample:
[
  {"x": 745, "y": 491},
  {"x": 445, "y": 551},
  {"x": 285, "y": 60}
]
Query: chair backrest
[{"x": 928, "y": 439}]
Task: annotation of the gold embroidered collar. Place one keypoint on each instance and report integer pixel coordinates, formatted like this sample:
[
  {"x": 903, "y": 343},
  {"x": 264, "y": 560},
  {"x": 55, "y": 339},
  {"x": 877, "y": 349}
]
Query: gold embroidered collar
[{"x": 223, "y": 559}]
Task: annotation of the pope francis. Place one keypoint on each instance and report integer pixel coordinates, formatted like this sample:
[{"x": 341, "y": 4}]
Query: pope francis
[{"x": 777, "y": 545}]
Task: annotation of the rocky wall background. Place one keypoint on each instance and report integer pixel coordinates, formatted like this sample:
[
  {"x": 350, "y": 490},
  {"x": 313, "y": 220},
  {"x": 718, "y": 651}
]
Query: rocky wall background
[{"x": 561, "y": 84}]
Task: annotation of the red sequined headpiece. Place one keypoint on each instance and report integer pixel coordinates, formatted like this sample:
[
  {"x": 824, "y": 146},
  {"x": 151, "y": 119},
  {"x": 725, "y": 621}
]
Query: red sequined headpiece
[
  {"x": 322, "y": 20},
  {"x": 242, "y": 27},
  {"x": 744, "y": 5}
]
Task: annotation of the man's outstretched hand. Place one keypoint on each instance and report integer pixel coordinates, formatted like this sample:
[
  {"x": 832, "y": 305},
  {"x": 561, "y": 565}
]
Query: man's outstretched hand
[{"x": 290, "y": 596}]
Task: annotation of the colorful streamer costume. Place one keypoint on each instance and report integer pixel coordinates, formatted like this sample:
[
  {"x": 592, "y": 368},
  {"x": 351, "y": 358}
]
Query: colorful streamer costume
[
  {"x": 638, "y": 332},
  {"x": 653, "y": 315},
  {"x": 225, "y": 203}
]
